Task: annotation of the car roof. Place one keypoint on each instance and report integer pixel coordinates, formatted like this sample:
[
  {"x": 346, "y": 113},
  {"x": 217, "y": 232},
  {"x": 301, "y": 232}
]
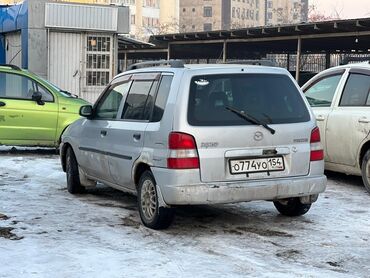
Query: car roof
[
  {"x": 362, "y": 65},
  {"x": 209, "y": 68}
]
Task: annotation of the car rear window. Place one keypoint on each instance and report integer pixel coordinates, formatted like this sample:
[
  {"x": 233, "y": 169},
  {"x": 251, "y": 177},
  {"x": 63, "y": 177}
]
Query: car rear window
[{"x": 271, "y": 98}]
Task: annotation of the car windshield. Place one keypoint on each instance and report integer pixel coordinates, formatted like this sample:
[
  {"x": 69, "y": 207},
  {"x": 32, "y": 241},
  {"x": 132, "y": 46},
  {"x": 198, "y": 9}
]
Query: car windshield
[{"x": 268, "y": 98}]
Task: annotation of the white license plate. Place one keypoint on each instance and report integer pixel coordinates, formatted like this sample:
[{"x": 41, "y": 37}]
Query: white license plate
[{"x": 255, "y": 165}]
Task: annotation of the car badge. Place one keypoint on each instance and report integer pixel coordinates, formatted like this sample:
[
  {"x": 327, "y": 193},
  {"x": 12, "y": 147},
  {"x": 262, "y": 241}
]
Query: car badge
[{"x": 258, "y": 136}]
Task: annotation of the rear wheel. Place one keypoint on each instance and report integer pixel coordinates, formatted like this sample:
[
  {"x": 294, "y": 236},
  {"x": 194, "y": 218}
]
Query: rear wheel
[
  {"x": 73, "y": 177},
  {"x": 365, "y": 170},
  {"x": 291, "y": 207},
  {"x": 151, "y": 214}
]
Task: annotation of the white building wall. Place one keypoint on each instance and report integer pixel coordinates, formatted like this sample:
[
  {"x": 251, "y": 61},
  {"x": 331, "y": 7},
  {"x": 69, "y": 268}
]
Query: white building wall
[{"x": 68, "y": 67}]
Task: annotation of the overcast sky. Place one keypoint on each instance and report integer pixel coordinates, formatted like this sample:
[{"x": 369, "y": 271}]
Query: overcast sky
[{"x": 345, "y": 8}]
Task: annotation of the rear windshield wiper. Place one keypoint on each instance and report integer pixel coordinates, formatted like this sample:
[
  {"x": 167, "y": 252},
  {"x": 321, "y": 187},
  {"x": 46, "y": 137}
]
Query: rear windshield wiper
[{"x": 250, "y": 118}]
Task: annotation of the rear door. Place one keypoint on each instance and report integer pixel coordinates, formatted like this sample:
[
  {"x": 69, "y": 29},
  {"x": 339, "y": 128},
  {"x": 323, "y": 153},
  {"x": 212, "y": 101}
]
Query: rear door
[
  {"x": 349, "y": 122},
  {"x": 22, "y": 120},
  {"x": 125, "y": 138},
  {"x": 232, "y": 148},
  {"x": 320, "y": 94}
]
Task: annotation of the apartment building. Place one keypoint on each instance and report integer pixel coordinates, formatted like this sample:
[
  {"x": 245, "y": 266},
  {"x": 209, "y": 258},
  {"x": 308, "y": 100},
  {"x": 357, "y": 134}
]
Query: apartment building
[
  {"x": 207, "y": 15},
  {"x": 285, "y": 11},
  {"x": 147, "y": 17}
]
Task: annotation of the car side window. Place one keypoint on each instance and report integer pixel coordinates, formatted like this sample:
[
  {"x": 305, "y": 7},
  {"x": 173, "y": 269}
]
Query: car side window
[
  {"x": 108, "y": 106},
  {"x": 356, "y": 91},
  {"x": 139, "y": 100},
  {"x": 16, "y": 86},
  {"x": 46, "y": 96},
  {"x": 161, "y": 99},
  {"x": 321, "y": 93}
]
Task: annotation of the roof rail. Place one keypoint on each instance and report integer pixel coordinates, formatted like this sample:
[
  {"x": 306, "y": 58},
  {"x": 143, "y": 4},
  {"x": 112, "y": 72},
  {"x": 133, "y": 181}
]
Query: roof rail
[
  {"x": 171, "y": 63},
  {"x": 262, "y": 62},
  {"x": 14, "y": 67},
  {"x": 347, "y": 60}
]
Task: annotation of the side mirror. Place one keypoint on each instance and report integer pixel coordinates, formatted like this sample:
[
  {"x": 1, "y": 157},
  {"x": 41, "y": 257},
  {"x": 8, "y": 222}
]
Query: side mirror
[
  {"x": 86, "y": 111},
  {"x": 37, "y": 96}
]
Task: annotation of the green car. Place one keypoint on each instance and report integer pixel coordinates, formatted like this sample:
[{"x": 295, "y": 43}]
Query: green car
[{"x": 33, "y": 112}]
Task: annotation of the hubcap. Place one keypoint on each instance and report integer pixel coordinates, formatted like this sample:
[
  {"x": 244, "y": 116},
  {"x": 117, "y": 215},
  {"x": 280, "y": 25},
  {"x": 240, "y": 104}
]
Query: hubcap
[{"x": 148, "y": 200}]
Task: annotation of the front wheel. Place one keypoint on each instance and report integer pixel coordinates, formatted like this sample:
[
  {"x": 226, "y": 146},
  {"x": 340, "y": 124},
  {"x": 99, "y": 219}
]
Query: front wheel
[
  {"x": 365, "y": 170},
  {"x": 291, "y": 207},
  {"x": 73, "y": 177},
  {"x": 151, "y": 214}
]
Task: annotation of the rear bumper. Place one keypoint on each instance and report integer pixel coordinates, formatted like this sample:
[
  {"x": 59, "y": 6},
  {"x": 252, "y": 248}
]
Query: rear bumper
[{"x": 233, "y": 192}]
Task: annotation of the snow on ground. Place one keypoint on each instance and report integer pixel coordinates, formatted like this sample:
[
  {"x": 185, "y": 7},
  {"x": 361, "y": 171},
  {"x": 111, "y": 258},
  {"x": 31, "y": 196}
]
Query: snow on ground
[{"x": 46, "y": 232}]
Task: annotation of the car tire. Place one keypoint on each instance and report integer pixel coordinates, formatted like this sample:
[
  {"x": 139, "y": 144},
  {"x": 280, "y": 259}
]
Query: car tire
[
  {"x": 365, "y": 170},
  {"x": 291, "y": 207},
  {"x": 152, "y": 216},
  {"x": 73, "y": 178}
]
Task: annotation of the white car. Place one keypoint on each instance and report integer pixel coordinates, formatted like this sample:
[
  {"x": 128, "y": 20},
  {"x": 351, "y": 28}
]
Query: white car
[{"x": 340, "y": 100}]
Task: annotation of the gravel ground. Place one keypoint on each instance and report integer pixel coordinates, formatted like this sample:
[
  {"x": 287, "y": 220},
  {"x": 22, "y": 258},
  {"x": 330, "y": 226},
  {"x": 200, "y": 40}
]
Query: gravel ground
[{"x": 46, "y": 232}]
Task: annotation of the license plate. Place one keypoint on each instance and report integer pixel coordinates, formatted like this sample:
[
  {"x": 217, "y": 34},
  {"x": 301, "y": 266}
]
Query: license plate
[{"x": 256, "y": 165}]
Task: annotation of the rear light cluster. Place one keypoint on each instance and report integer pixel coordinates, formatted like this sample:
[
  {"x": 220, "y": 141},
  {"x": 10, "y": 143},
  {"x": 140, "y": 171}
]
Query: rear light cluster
[
  {"x": 183, "y": 151},
  {"x": 317, "y": 153}
]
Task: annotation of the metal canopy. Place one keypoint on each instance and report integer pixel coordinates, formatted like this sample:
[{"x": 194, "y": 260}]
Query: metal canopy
[
  {"x": 329, "y": 37},
  {"x": 305, "y": 30}
]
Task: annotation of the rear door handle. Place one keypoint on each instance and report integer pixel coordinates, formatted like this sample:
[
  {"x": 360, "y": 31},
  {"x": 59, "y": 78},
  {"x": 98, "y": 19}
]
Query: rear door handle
[
  {"x": 2, "y": 103},
  {"x": 363, "y": 120},
  {"x": 103, "y": 132},
  {"x": 137, "y": 136},
  {"x": 320, "y": 118}
]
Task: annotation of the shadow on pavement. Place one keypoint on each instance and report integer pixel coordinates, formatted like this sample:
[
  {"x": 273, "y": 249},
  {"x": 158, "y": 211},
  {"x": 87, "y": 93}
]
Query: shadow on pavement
[{"x": 28, "y": 151}]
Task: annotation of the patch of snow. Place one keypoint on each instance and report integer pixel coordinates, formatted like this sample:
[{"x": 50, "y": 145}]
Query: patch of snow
[{"x": 99, "y": 234}]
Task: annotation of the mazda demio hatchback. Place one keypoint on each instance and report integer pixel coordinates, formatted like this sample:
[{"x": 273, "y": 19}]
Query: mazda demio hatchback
[{"x": 198, "y": 134}]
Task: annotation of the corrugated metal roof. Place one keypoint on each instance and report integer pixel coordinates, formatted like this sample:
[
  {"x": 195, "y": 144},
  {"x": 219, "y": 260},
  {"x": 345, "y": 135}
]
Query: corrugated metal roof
[{"x": 308, "y": 29}]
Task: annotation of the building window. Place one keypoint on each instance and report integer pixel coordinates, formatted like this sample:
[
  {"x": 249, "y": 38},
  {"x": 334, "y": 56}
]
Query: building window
[
  {"x": 269, "y": 4},
  {"x": 269, "y": 15},
  {"x": 98, "y": 60},
  {"x": 207, "y": 26},
  {"x": 257, "y": 4},
  {"x": 183, "y": 10},
  {"x": 238, "y": 12},
  {"x": 193, "y": 10},
  {"x": 151, "y": 3},
  {"x": 207, "y": 11},
  {"x": 233, "y": 13},
  {"x": 132, "y": 19}
]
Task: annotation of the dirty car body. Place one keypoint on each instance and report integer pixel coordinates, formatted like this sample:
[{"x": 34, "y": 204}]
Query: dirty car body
[
  {"x": 206, "y": 134},
  {"x": 340, "y": 100}
]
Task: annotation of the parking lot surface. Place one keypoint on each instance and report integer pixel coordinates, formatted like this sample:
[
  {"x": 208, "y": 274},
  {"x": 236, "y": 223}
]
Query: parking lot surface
[{"x": 46, "y": 232}]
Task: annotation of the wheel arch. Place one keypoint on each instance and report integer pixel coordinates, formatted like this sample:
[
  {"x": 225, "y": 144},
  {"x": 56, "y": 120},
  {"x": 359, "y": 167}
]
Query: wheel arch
[
  {"x": 139, "y": 169},
  {"x": 61, "y": 133}
]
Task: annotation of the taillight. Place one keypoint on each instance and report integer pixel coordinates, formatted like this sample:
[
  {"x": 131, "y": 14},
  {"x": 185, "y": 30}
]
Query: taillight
[
  {"x": 317, "y": 152},
  {"x": 183, "y": 151}
]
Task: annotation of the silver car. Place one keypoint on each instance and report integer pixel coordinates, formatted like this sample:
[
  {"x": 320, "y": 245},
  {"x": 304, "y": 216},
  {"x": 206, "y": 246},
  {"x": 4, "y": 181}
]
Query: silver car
[
  {"x": 340, "y": 100},
  {"x": 198, "y": 134}
]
